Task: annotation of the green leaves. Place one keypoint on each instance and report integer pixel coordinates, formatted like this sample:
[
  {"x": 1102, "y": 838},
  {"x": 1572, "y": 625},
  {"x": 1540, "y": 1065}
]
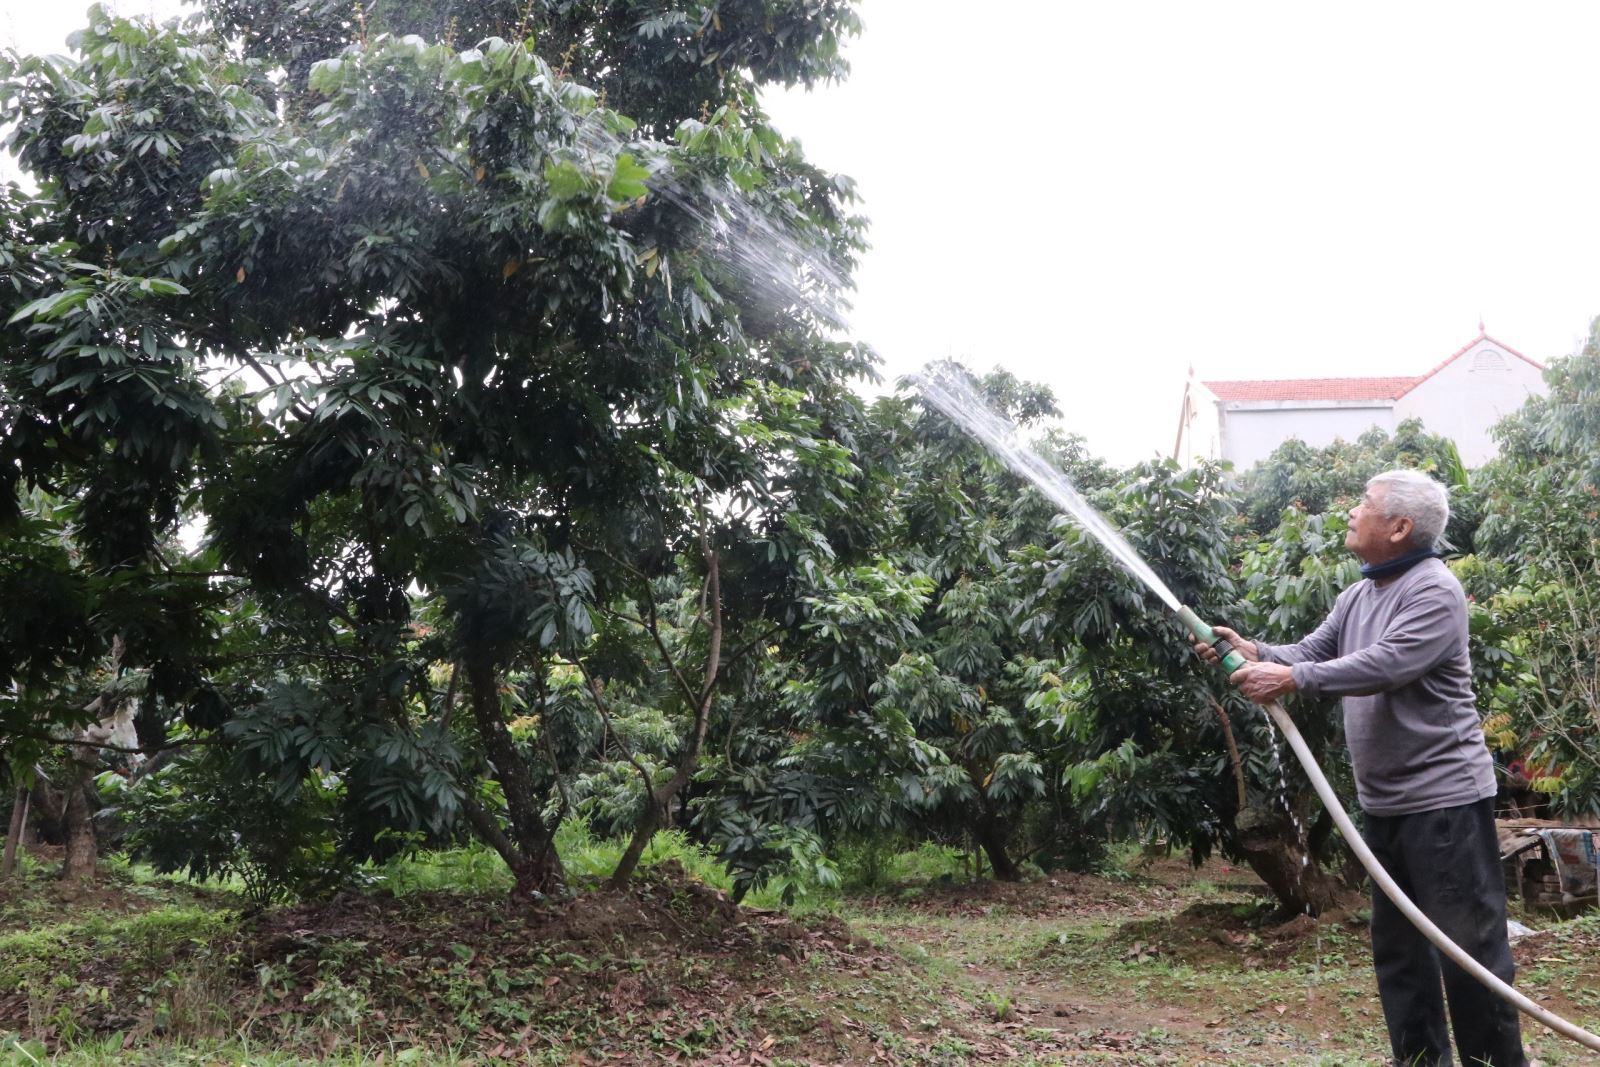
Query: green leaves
[
  {"x": 51, "y": 307},
  {"x": 566, "y": 182},
  {"x": 408, "y": 333},
  {"x": 627, "y": 179},
  {"x": 326, "y": 76}
]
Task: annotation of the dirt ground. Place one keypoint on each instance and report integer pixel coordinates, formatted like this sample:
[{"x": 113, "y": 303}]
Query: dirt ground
[
  {"x": 1184, "y": 966},
  {"x": 1166, "y": 965}
]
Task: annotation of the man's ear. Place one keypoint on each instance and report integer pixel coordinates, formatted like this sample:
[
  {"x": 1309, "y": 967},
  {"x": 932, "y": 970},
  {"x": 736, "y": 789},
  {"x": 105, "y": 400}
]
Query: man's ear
[{"x": 1402, "y": 530}]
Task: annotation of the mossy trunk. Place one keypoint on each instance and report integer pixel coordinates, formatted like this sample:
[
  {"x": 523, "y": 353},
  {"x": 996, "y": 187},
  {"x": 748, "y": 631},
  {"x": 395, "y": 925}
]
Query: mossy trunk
[
  {"x": 1277, "y": 852},
  {"x": 46, "y": 811},
  {"x": 83, "y": 853},
  {"x": 14, "y": 832},
  {"x": 528, "y": 847},
  {"x": 992, "y": 837}
]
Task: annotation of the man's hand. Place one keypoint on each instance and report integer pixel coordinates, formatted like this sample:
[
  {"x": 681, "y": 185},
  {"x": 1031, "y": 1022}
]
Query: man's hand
[
  {"x": 1262, "y": 683},
  {"x": 1247, "y": 649}
]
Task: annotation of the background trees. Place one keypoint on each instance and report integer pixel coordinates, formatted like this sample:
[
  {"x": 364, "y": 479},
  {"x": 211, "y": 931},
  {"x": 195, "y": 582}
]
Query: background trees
[
  {"x": 426, "y": 426},
  {"x": 1538, "y": 597}
]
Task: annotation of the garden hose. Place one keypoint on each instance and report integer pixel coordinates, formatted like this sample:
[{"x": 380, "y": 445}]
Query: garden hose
[{"x": 1232, "y": 661}]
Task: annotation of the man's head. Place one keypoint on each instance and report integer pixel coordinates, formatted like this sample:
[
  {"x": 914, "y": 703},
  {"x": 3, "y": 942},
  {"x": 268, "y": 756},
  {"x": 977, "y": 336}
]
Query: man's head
[{"x": 1402, "y": 511}]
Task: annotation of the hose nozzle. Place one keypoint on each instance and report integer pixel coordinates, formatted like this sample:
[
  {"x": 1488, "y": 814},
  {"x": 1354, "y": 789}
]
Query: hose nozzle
[{"x": 1231, "y": 660}]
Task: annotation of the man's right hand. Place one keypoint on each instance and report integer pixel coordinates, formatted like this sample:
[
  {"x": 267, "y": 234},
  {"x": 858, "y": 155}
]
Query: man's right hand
[{"x": 1247, "y": 649}]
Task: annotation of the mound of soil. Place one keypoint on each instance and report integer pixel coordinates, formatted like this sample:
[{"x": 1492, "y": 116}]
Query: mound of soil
[{"x": 659, "y": 962}]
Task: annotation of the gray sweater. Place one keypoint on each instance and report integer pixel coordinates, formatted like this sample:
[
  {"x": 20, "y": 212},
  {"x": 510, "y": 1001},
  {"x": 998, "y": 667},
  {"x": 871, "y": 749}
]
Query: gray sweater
[{"x": 1397, "y": 654}]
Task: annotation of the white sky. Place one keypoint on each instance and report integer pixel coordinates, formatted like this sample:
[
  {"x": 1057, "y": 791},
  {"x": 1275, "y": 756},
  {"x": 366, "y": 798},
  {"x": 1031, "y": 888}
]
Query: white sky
[{"x": 1099, "y": 195}]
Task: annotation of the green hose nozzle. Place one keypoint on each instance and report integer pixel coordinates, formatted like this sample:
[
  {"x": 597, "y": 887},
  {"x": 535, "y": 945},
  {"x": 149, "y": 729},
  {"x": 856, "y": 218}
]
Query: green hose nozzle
[{"x": 1231, "y": 659}]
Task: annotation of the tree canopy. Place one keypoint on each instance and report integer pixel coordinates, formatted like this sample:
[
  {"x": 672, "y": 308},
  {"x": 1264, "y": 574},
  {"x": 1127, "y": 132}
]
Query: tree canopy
[{"x": 433, "y": 422}]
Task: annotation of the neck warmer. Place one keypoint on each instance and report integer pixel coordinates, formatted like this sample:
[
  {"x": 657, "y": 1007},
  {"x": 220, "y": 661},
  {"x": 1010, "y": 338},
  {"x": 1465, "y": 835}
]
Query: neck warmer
[{"x": 1398, "y": 565}]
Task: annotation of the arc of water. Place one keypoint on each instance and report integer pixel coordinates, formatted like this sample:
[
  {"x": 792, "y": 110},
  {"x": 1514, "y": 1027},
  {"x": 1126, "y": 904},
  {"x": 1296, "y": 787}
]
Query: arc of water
[{"x": 956, "y": 398}]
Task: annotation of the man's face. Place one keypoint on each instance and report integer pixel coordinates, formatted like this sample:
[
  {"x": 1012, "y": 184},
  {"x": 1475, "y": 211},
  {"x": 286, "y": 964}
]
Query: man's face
[{"x": 1373, "y": 536}]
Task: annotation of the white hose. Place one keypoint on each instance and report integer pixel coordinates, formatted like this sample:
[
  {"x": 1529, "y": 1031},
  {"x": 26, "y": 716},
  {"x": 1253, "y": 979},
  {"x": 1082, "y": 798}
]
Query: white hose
[{"x": 1353, "y": 838}]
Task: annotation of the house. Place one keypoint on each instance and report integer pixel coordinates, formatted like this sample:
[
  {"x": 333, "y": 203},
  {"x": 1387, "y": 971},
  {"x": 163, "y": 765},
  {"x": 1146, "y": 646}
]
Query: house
[{"x": 1461, "y": 398}]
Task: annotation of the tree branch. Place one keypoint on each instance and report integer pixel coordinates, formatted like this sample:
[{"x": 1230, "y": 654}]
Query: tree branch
[
  {"x": 185, "y": 742},
  {"x": 652, "y": 626},
  {"x": 449, "y": 709},
  {"x": 605, "y": 716},
  {"x": 489, "y": 831},
  {"x": 1233, "y": 749}
]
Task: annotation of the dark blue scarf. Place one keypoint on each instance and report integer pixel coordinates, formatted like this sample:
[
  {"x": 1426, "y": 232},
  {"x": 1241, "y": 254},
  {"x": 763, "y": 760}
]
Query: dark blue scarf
[{"x": 1397, "y": 566}]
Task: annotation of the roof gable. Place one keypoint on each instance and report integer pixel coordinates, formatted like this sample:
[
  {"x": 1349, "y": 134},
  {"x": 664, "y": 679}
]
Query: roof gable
[
  {"x": 1334, "y": 390},
  {"x": 1464, "y": 349}
]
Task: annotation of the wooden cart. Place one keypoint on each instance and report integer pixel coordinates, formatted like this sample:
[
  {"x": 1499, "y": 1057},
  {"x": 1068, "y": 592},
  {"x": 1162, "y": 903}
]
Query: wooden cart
[{"x": 1551, "y": 864}]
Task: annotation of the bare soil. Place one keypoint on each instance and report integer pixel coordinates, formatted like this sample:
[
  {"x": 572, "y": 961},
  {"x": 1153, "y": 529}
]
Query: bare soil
[{"x": 1169, "y": 966}]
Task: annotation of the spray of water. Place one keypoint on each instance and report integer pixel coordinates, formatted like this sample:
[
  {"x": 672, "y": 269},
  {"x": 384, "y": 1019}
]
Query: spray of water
[
  {"x": 953, "y": 394},
  {"x": 769, "y": 245}
]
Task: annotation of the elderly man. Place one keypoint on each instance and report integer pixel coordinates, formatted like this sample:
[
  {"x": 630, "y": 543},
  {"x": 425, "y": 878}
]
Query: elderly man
[{"x": 1395, "y": 649}]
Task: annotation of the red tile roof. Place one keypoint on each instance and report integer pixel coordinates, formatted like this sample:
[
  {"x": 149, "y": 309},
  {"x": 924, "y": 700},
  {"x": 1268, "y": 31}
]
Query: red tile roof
[
  {"x": 1332, "y": 389},
  {"x": 1313, "y": 388}
]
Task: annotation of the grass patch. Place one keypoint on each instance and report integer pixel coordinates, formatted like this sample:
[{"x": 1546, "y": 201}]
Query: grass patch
[
  {"x": 588, "y": 861},
  {"x": 1167, "y": 966}
]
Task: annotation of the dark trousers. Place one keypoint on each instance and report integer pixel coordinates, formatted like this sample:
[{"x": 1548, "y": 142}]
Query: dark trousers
[{"x": 1448, "y": 862}]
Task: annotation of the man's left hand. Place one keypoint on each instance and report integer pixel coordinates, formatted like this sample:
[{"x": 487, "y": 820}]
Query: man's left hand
[{"x": 1263, "y": 683}]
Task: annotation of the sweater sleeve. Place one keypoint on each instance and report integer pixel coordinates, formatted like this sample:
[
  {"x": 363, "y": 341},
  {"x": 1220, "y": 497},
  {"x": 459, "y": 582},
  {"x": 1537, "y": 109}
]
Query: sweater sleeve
[
  {"x": 1424, "y": 631},
  {"x": 1320, "y": 644}
]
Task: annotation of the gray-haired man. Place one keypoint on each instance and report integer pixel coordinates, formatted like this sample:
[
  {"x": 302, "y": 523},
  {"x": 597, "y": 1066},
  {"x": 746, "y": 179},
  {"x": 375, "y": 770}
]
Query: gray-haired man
[{"x": 1395, "y": 649}]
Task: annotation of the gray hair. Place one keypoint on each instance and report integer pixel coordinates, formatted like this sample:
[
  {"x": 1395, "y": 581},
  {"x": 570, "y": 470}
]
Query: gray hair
[{"x": 1415, "y": 496}]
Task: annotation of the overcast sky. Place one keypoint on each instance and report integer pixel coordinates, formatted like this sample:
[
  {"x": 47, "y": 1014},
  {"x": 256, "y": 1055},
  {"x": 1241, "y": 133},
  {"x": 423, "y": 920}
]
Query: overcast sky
[{"x": 1098, "y": 196}]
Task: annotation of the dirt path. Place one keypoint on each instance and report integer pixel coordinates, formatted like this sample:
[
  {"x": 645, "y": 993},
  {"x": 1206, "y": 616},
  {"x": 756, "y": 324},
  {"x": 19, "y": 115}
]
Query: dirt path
[
  {"x": 1187, "y": 967},
  {"x": 1177, "y": 967}
]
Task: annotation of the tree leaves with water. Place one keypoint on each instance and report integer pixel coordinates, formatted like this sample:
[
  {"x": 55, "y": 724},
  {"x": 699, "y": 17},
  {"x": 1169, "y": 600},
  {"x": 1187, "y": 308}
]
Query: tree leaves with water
[{"x": 443, "y": 320}]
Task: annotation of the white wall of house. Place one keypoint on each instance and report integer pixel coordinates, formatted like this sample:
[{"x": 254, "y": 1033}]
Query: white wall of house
[
  {"x": 1251, "y": 429},
  {"x": 1467, "y": 396},
  {"x": 1199, "y": 425}
]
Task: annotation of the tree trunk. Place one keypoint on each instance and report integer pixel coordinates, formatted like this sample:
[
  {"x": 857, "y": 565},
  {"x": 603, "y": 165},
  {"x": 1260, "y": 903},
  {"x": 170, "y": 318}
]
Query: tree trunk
[
  {"x": 114, "y": 724},
  {"x": 82, "y": 853},
  {"x": 1278, "y": 855},
  {"x": 19, "y": 823},
  {"x": 540, "y": 874},
  {"x": 649, "y": 822},
  {"x": 529, "y": 850},
  {"x": 991, "y": 836},
  {"x": 50, "y": 821},
  {"x": 658, "y": 807}
]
